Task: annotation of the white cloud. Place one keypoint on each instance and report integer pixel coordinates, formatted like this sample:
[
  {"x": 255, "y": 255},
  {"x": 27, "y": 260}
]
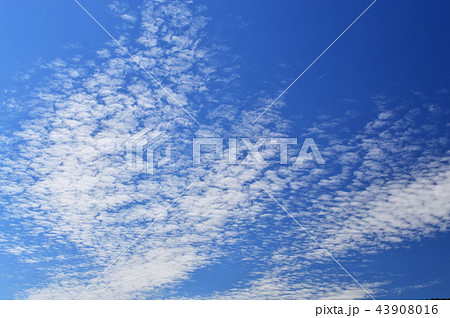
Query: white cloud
[{"x": 72, "y": 191}]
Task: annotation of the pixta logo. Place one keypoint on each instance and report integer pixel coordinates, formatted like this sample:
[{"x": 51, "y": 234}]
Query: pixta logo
[
  {"x": 308, "y": 151},
  {"x": 141, "y": 150}
]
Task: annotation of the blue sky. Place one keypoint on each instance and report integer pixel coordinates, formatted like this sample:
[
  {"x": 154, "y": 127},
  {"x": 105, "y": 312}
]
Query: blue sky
[{"x": 376, "y": 104}]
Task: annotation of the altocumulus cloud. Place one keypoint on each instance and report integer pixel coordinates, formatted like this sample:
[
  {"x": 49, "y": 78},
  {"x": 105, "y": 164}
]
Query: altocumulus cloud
[{"x": 74, "y": 204}]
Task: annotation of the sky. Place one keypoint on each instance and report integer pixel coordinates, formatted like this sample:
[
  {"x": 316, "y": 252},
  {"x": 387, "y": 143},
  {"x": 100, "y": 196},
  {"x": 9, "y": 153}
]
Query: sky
[{"x": 92, "y": 91}]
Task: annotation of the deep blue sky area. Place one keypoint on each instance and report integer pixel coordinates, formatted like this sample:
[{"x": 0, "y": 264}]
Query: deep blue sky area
[
  {"x": 376, "y": 103},
  {"x": 417, "y": 271},
  {"x": 399, "y": 46}
]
